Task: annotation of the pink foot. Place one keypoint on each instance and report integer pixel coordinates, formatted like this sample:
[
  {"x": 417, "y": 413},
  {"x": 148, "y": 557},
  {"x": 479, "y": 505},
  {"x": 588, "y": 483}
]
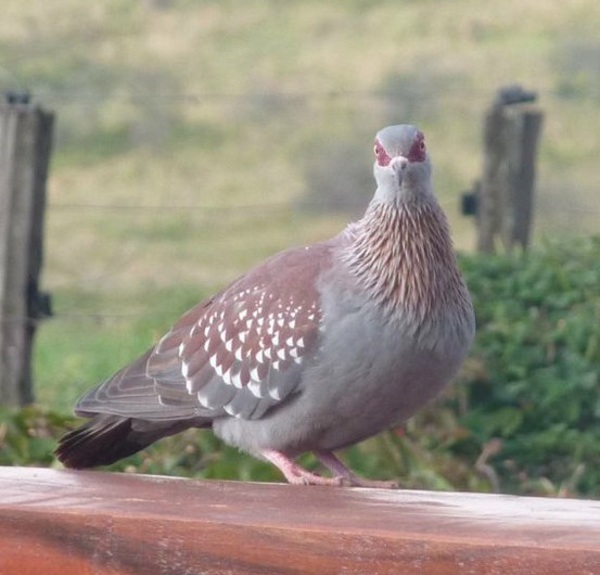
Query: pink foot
[
  {"x": 294, "y": 473},
  {"x": 347, "y": 476}
]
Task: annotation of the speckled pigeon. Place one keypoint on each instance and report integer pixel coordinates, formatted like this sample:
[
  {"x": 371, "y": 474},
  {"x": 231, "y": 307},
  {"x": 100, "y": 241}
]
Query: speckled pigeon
[{"x": 315, "y": 349}]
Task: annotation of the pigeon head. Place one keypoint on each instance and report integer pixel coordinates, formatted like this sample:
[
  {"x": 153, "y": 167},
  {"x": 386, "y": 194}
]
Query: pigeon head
[{"x": 402, "y": 168}]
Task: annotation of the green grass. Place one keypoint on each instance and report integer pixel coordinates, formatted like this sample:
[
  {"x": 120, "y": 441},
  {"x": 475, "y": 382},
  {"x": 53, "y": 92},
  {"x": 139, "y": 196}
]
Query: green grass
[
  {"x": 79, "y": 348},
  {"x": 226, "y": 103}
]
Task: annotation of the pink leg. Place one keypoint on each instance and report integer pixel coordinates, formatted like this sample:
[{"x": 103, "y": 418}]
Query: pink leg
[
  {"x": 346, "y": 475},
  {"x": 296, "y": 474}
]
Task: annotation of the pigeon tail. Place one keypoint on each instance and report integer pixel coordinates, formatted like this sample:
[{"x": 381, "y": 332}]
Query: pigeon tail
[{"x": 107, "y": 438}]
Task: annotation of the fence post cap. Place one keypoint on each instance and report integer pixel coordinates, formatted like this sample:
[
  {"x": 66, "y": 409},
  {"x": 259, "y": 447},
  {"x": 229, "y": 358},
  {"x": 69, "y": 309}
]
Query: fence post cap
[
  {"x": 12, "y": 97},
  {"x": 514, "y": 94}
]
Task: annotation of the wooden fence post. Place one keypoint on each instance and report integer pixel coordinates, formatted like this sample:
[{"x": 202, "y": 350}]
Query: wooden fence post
[
  {"x": 504, "y": 196},
  {"x": 526, "y": 125},
  {"x": 25, "y": 145},
  {"x": 493, "y": 178}
]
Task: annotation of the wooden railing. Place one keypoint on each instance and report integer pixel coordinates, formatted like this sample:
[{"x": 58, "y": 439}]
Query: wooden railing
[{"x": 66, "y": 522}]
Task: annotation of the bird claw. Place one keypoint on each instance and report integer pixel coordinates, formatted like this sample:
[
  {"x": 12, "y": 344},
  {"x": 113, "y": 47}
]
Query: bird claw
[
  {"x": 308, "y": 478},
  {"x": 342, "y": 475},
  {"x": 356, "y": 481},
  {"x": 347, "y": 476},
  {"x": 297, "y": 475}
]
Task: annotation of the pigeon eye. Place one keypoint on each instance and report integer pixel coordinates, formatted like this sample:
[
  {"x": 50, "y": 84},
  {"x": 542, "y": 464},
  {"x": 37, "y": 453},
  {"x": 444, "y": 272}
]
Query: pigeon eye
[{"x": 381, "y": 155}]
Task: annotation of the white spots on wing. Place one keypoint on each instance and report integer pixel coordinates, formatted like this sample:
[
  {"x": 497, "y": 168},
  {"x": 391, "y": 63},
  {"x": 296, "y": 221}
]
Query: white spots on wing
[
  {"x": 255, "y": 388},
  {"x": 204, "y": 400},
  {"x": 226, "y": 377},
  {"x": 215, "y": 317},
  {"x": 230, "y": 411},
  {"x": 254, "y": 374},
  {"x": 236, "y": 380},
  {"x": 251, "y": 339}
]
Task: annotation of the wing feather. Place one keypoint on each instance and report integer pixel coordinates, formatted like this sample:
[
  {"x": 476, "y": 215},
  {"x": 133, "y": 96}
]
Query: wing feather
[{"x": 238, "y": 353}]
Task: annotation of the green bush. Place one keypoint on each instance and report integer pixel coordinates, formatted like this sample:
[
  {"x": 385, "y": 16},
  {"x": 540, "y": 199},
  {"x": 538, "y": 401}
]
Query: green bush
[
  {"x": 524, "y": 416},
  {"x": 533, "y": 381},
  {"x": 28, "y": 435}
]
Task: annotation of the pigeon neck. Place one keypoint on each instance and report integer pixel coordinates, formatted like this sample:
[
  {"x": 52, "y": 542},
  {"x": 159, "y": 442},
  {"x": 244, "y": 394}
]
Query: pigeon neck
[{"x": 401, "y": 253}]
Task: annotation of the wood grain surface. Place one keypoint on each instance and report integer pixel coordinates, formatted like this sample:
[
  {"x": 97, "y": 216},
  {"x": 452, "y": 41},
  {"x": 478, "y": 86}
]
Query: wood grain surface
[{"x": 68, "y": 522}]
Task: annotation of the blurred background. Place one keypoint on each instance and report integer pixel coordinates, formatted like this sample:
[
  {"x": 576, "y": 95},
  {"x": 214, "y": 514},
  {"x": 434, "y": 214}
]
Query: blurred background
[{"x": 194, "y": 138}]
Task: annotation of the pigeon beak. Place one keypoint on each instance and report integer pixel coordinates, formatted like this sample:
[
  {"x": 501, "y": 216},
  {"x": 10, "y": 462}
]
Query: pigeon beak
[{"x": 399, "y": 165}]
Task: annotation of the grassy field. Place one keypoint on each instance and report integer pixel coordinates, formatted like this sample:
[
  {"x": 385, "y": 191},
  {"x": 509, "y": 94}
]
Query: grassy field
[{"x": 189, "y": 133}]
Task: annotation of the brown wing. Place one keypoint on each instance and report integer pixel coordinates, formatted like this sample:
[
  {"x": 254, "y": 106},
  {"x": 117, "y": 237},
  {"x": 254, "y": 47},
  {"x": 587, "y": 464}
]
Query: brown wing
[{"x": 239, "y": 353}]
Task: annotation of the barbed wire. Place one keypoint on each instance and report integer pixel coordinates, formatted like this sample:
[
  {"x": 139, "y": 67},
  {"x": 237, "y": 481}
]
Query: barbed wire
[
  {"x": 96, "y": 317},
  {"x": 70, "y": 97},
  {"x": 171, "y": 207},
  {"x": 258, "y": 206},
  {"x": 196, "y": 97}
]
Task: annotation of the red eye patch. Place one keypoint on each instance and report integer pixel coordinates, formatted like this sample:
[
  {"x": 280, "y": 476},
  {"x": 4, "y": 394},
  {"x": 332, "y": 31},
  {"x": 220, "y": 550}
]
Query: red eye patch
[
  {"x": 380, "y": 154},
  {"x": 418, "y": 151}
]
